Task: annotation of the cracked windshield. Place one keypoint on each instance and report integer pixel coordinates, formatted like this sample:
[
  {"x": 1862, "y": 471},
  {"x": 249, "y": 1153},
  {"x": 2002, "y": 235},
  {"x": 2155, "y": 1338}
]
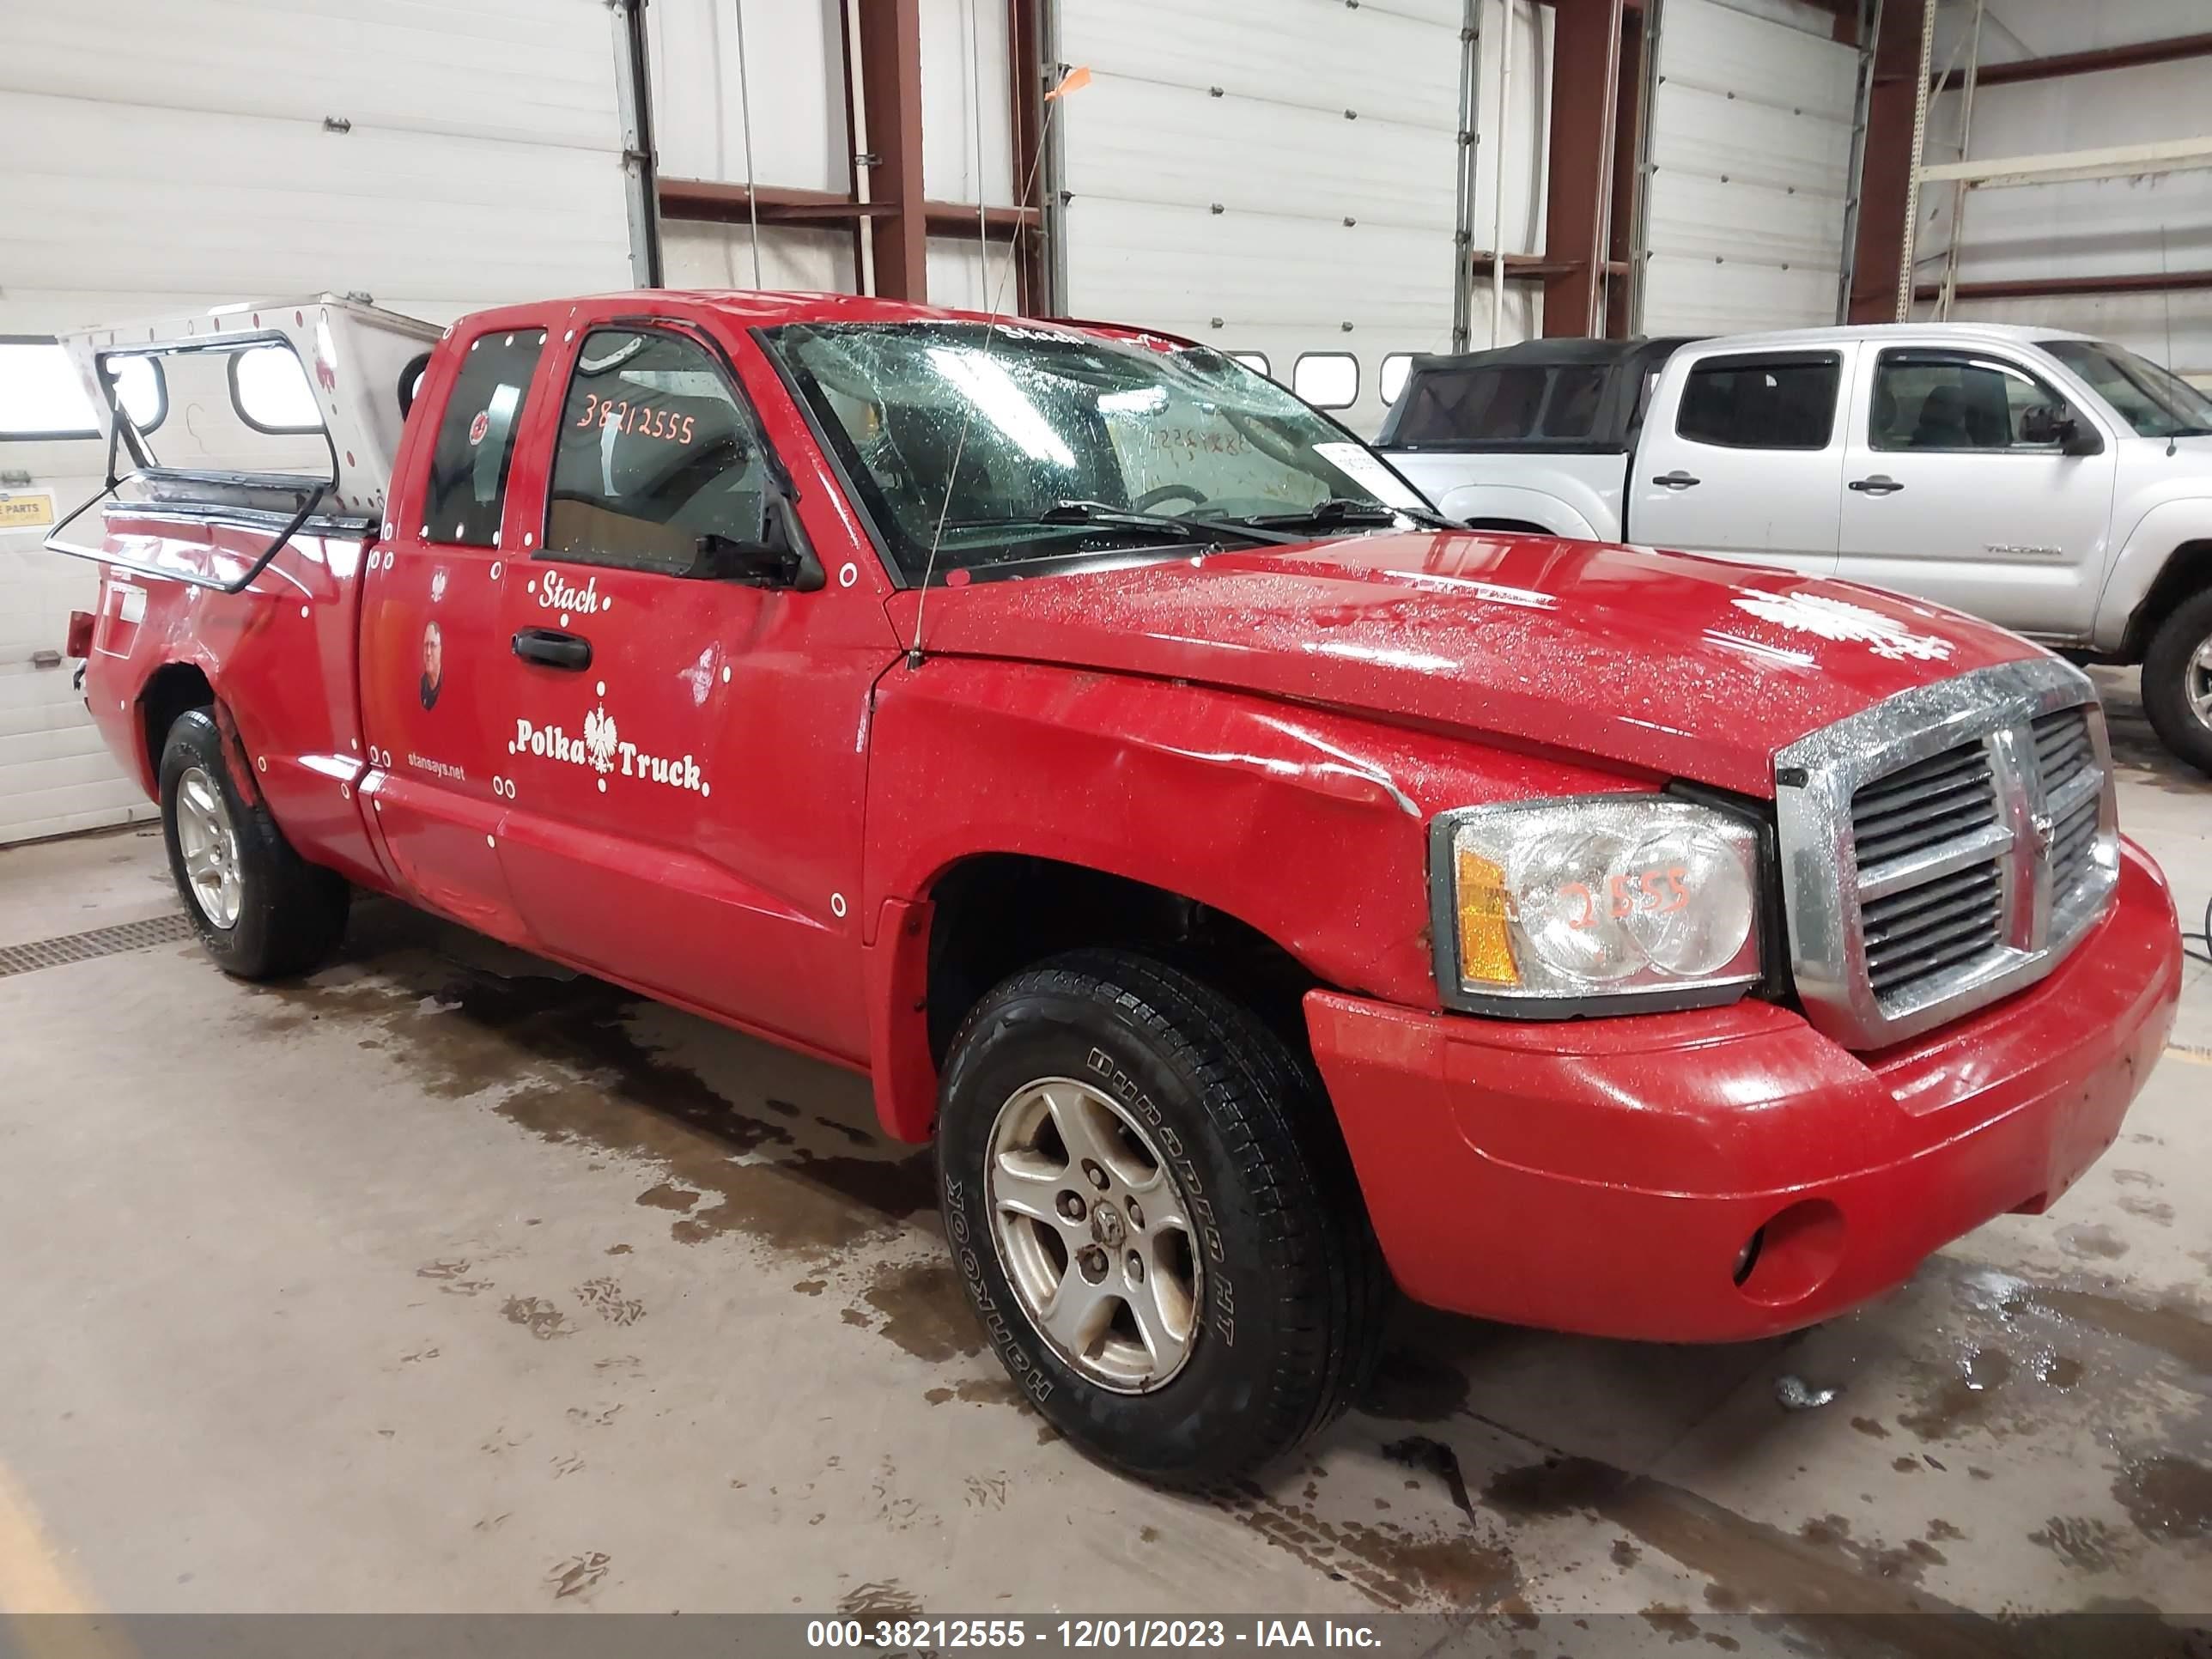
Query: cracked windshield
[{"x": 1069, "y": 447}]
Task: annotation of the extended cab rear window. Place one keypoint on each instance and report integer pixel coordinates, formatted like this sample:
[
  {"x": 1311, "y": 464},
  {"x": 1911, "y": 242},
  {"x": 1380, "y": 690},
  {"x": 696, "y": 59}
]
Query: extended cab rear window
[{"x": 467, "y": 492}]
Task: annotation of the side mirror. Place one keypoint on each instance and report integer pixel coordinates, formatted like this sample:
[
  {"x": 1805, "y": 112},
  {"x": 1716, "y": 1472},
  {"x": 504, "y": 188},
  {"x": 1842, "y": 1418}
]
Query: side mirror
[
  {"x": 2049, "y": 423},
  {"x": 765, "y": 556}
]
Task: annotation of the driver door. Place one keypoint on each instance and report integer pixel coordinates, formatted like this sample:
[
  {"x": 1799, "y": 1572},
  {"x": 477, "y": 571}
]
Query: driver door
[{"x": 676, "y": 752}]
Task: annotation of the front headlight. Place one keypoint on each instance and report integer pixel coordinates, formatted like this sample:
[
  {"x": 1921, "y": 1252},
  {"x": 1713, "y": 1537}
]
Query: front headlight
[{"x": 1598, "y": 904}]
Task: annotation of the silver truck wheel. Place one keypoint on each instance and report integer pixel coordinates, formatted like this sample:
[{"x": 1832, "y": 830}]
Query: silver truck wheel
[
  {"x": 261, "y": 910},
  {"x": 210, "y": 843},
  {"x": 2177, "y": 680},
  {"x": 1094, "y": 1235},
  {"x": 1154, "y": 1217}
]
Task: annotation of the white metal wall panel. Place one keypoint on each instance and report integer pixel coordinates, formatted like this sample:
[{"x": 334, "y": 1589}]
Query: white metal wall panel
[
  {"x": 794, "y": 70},
  {"x": 2083, "y": 229},
  {"x": 967, "y": 105},
  {"x": 1751, "y": 138},
  {"x": 701, "y": 255},
  {"x": 159, "y": 160},
  {"x": 1259, "y": 174}
]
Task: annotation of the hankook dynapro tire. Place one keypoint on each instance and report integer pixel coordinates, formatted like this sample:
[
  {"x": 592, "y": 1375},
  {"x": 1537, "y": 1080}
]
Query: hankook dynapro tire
[
  {"x": 1155, "y": 1219},
  {"x": 2177, "y": 681},
  {"x": 261, "y": 909}
]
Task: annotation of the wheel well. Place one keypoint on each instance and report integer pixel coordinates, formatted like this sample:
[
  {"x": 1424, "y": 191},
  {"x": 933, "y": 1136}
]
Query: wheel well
[
  {"x": 993, "y": 915},
  {"x": 175, "y": 690},
  {"x": 2187, "y": 569},
  {"x": 1518, "y": 526}
]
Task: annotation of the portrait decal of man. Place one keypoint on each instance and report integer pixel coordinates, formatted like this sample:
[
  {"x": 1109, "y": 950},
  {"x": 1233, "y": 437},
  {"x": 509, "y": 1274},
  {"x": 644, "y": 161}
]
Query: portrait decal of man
[{"x": 434, "y": 664}]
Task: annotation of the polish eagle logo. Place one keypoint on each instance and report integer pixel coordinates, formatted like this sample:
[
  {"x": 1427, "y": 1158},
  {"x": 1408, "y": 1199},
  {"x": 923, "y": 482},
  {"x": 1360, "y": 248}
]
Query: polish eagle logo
[{"x": 599, "y": 738}]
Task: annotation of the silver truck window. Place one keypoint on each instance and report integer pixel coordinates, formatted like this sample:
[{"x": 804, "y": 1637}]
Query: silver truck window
[
  {"x": 467, "y": 492},
  {"x": 2156, "y": 402},
  {"x": 1765, "y": 402},
  {"x": 1953, "y": 400},
  {"x": 655, "y": 451}
]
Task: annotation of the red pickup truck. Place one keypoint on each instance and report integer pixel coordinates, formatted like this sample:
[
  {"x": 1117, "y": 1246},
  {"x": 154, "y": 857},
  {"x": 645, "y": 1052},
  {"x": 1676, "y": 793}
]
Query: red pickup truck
[{"x": 1260, "y": 891}]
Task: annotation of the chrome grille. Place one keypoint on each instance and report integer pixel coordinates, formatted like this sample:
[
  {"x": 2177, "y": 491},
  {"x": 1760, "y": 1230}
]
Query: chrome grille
[
  {"x": 2061, "y": 745},
  {"x": 1946, "y": 847},
  {"x": 1912, "y": 936},
  {"x": 2063, "y": 751},
  {"x": 1929, "y": 804}
]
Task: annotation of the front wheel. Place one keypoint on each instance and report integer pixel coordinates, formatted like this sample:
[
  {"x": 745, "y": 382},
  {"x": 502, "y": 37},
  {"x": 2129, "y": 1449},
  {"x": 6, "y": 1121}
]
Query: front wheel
[
  {"x": 2177, "y": 681},
  {"x": 261, "y": 909},
  {"x": 1154, "y": 1219}
]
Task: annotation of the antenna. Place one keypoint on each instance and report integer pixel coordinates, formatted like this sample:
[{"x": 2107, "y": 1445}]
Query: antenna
[
  {"x": 1075, "y": 81},
  {"x": 2166, "y": 295},
  {"x": 745, "y": 106}
]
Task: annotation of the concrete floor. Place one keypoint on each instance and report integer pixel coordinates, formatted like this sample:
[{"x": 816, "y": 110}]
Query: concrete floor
[{"x": 445, "y": 1280}]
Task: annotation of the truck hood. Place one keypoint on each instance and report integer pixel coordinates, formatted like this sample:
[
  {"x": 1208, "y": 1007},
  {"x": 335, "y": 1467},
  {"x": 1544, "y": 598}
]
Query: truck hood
[{"x": 1683, "y": 666}]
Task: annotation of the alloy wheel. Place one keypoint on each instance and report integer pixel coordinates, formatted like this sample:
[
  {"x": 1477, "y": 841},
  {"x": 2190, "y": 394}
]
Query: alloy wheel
[
  {"x": 1095, "y": 1235},
  {"x": 209, "y": 843}
]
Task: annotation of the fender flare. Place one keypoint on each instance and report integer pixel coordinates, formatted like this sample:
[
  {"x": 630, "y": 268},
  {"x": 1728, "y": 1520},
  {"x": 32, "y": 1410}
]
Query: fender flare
[
  {"x": 2140, "y": 568},
  {"x": 1534, "y": 506}
]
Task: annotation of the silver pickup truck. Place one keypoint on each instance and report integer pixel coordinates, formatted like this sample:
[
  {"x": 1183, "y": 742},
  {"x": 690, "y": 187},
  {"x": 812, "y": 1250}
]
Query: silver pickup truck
[{"x": 2050, "y": 483}]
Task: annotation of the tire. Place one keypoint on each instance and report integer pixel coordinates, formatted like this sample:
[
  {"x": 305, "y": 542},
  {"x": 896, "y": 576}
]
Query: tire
[
  {"x": 1287, "y": 1289},
  {"x": 2177, "y": 681},
  {"x": 265, "y": 912}
]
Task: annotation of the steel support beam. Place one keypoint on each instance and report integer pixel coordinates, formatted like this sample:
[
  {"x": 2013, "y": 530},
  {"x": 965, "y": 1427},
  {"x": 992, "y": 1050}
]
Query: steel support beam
[
  {"x": 634, "y": 101},
  {"x": 2052, "y": 288},
  {"x": 2092, "y": 62},
  {"x": 889, "y": 34},
  {"x": 2119, "y": 162},
  {"x": 1630, "y": 115},
  {"x": 729, "y": 202},
  {"x": 1025, "y": 72},
  {"x": 1886, "y": 171},
  {"x": 1586, "y": 62}
]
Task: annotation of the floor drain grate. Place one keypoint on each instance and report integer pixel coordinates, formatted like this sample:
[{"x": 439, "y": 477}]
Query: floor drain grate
[{"x": 99, "y": 942}]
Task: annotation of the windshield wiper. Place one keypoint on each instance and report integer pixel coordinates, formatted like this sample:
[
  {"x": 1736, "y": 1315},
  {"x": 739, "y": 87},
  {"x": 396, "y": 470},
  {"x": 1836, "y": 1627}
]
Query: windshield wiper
[
  {"x": 1103, "y": 515},
  {"x": 1343, "y": 510}
]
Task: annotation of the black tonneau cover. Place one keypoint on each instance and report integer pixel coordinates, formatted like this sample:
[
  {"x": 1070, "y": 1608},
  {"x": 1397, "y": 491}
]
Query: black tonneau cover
[{"x": 1575, "y": 397}]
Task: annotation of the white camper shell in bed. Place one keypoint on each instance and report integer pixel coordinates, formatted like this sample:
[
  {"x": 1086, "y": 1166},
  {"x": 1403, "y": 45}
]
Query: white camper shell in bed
[{"x": 291, "y": 410}]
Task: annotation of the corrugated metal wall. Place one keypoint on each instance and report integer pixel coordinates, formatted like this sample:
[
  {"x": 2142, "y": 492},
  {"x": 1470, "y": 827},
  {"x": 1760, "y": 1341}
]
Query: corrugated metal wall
[
  {"x": 164, "y": 158},
  {"x": 1277, "y": 176},
  {"x": 1750, "y": 153},
  {"x": 2096, "y": 227},
  {"x": 795, "y": 69}
]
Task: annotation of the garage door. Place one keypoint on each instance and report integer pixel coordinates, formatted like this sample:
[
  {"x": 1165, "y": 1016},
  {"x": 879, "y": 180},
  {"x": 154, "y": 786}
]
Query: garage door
[
  {"x": 439, "y": 157},
  {"x": 1279, "y": 178},
  {"x": 1750, "y": 150}
]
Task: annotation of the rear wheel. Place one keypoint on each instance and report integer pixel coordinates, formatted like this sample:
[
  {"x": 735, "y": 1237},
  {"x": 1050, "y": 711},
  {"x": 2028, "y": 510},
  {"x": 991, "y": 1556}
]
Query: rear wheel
[
  {"x": 2177, "y": 681},
  {"x": 1154, "y": 1219},
  {"x": 261, "y": 909}
]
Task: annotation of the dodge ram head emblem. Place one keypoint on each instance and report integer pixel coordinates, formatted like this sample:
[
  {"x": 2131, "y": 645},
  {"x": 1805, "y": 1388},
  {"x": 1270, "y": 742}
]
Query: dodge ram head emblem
[{"x": 2041, "y": 826}]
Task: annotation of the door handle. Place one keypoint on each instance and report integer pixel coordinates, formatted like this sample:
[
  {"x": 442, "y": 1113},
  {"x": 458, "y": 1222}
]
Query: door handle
[
  {"x": 553, "y": 648},
  {"x": 1677, "y": 479},
  {"x": 1880, "y": 485}
]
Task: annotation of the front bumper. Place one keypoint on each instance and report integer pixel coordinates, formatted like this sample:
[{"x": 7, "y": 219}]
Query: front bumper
[{"x": 1607, "y": 1175}]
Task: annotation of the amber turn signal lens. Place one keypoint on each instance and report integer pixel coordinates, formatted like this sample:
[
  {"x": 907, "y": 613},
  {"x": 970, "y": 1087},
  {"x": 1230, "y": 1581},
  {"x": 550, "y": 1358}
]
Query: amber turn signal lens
[{"x": 1486, "y": 943}]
